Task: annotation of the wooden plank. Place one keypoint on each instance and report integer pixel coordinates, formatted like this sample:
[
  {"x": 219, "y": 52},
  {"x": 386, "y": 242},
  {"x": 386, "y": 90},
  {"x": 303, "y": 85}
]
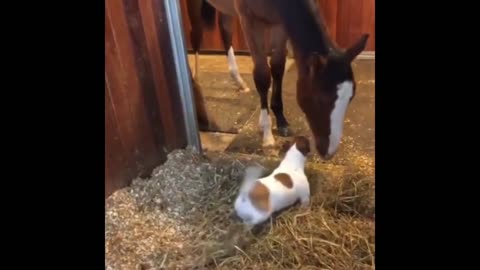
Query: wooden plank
[
  {"x": 168, "y": 97},
  {"x": 118, "y": 171},
  {"x": 329, "y": 11},
  {"x": 116, "y": 85},
  {"x": 369, "y": 22},
  {"x": 143, "y": 115},
  {"x": 139, "y": 33},
  {"x": 356, "y": 17},
  {"x": 130, "y": 99}
]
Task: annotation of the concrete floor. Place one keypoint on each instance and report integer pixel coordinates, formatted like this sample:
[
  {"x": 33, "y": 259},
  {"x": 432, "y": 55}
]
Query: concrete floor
[{"x": 357, "y": 150}]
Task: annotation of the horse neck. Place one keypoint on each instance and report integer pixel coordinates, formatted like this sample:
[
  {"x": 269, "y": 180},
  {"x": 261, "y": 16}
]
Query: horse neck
[
  {"x": 304, "y": 25},
  {"x": 325, "y": 38},
  {"x": 306, "y": 29}
]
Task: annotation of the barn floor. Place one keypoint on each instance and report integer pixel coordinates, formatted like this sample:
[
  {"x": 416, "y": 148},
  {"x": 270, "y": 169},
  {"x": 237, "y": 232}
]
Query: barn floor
[
  {"x": 180, "y": 218},
  {"x": 357, "y": 151}
]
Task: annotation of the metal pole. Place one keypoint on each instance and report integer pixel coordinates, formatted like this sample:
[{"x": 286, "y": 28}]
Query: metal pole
[{"x": 173, "y": 15}]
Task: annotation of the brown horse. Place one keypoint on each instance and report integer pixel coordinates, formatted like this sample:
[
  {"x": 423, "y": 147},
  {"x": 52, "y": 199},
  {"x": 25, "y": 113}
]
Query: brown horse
[
  {"x": 202, "y": 15},
  {"x": 325, "y": 85}
]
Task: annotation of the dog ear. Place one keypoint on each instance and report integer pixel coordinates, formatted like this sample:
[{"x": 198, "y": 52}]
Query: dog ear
[{"x": 303, "y": 145}]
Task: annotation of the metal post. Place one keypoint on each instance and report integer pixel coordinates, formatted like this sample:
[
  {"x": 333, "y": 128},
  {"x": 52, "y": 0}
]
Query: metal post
[{"x": 173, "y": 15}]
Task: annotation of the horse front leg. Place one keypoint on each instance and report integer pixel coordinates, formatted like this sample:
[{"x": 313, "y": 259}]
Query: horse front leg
[
  {"x": 225, "y": 23},
  {"x": 254, "y": 33},
  {"x": 277, "y": 66}
]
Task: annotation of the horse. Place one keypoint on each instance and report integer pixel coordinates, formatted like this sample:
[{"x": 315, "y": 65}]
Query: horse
[
  {"x": 325, "y": 81},
  {"x": 201, "y": 13}
]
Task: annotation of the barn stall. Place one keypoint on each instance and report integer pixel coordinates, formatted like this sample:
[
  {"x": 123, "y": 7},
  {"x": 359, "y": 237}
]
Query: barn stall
[{"x": 169, "y": 206}]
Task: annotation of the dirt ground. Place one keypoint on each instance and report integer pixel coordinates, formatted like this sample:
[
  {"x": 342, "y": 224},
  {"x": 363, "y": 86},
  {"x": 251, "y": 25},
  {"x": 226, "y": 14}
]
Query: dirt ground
[
  {"x": 230, "y": 107},
  {"x": 357, "y": 150}
]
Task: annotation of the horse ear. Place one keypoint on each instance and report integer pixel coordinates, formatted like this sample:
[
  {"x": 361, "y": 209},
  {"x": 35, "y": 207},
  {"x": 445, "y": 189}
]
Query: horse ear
[
  {"x": 316, "y": 63},
  {"x": 357, "y": 48}
]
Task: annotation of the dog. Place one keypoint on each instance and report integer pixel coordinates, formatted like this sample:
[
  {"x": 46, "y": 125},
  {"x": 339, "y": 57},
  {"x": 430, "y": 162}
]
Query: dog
[{"x": 259, "y": 198}]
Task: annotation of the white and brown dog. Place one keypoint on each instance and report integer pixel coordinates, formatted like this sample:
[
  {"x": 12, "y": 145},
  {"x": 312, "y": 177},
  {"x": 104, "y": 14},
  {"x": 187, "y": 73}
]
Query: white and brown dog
[{"x": 259, "y": 198}]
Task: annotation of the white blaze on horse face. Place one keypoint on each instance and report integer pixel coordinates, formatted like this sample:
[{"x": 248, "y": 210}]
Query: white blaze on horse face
[
  {"x": 337, "y": 116},
  {"x": 266, "y": 126},
  {"x": 233, "y": 68}
]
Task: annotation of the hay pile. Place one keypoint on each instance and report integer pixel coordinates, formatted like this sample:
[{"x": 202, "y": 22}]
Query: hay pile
[{"x": 181, "y": 219}]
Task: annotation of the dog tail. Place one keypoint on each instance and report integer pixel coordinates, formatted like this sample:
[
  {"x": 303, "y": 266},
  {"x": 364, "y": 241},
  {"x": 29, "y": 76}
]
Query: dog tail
[{"x": 252, "y": 173}]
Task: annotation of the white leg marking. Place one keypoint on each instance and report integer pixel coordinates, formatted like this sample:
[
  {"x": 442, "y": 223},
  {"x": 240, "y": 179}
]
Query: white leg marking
[
  {"x": 265, "y": 123},
  {"x": 337, "y": 117},
  {"x": 233, "y": 68}
]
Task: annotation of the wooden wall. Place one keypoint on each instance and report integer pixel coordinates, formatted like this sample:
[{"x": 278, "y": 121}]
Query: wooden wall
[
  {"x": 143, "y": 117},
  {"x": 347, "y": 20}
]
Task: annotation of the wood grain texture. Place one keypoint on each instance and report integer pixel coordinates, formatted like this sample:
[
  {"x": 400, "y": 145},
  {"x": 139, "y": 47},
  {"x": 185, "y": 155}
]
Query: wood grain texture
[
  {"x": 143, "y": 117},
  {"x": 356, "y": 17}
]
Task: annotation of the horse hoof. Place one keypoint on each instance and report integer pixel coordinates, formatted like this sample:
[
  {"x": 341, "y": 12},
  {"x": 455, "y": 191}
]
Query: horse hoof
[
  {"x": 244, "y": 90},
  {"x": 283, "y": 131},
  {"x": 268, "y": 142}
]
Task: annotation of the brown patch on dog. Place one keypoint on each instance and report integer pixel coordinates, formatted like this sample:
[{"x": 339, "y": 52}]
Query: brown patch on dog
[
  {"x": 260, "y": 197},
  {"x": 285, "y": 179},
  {"x": 303, "y": 145}
]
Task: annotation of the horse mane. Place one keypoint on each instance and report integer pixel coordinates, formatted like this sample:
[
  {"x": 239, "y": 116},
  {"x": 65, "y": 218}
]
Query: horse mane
[{"x": 304, "y": 25}]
